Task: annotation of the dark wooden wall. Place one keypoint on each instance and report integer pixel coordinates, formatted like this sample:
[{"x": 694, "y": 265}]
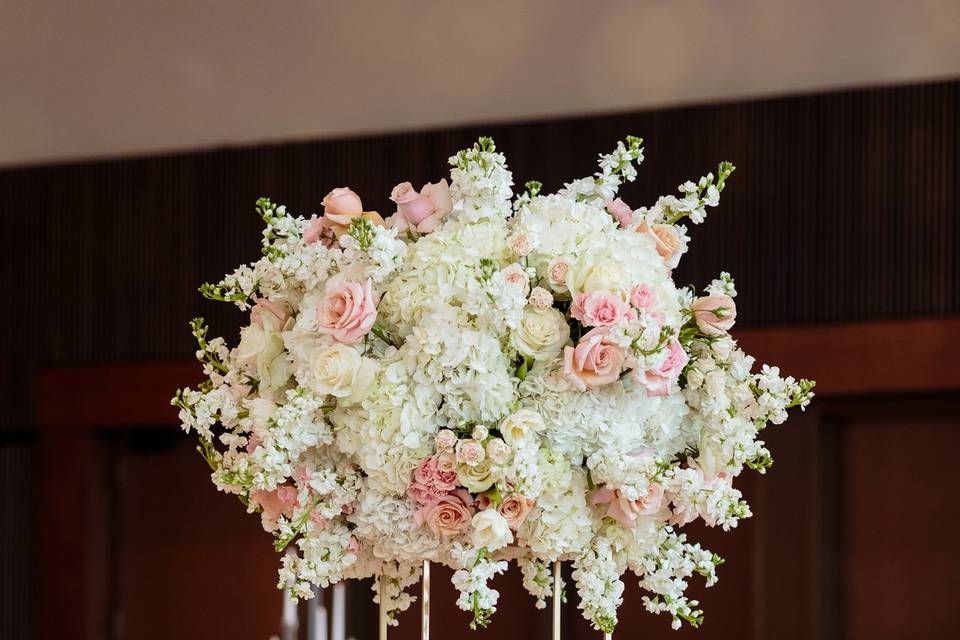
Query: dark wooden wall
[{"x": 844, "y": 207}]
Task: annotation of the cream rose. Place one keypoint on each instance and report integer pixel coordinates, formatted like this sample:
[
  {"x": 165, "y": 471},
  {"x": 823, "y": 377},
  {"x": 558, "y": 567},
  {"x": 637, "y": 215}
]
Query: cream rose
[
  {"x": 594, "y": 273},
  {"x": 521, "y": 427},
  {"x": 340, "y": 371},
  {"x": 541, "y": 334},
  {"x": 476, "y": 478},
  {"x": 491, "y": 531}
]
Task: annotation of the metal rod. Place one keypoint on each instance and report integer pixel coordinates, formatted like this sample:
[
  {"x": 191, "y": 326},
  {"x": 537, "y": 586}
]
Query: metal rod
[
  {"x": 383, "y": 607},
  {"x": 425, "y": 603},
  {"x": 289, "y": 619},
  {"x": 339, "y": 618},
  {"x": 556, "y": 600},
  {"x": 607, "y": 636}
]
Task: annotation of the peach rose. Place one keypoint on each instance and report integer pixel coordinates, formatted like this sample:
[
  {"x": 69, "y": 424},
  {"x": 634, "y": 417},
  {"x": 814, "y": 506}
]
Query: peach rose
[
  {"x": 447, "y": 516},
  {"x": 270, "y": 315},
  {"x": 515, "y": 508},
  {"x": 557, "y": 272},
  {"x": 659, "y": 381},
  {"x": 594, "y": 362},
  {"x": 667, "y": 238},
  {"x": 347, "y": 311},
  {"x": 421, "y": 211},
  {"x": 599, "y": 309},
  {"x": 619, "y": 210},
  {"x": 273, "y": 504},
  {"x": 470, "y": 452},
  {"x": 715, "y": 315},
  {"x": 625, "y": 511}
]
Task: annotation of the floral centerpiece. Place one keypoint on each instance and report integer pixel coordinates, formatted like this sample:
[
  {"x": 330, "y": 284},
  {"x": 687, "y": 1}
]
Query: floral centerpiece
[{"x": 480, "y": 379}]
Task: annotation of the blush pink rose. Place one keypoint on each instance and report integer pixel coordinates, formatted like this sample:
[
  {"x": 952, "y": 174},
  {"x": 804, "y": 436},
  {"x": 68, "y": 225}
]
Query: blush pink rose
[
  {"x": 620, "y": 210},
  {"x": 354, "y": 546},
  {"x": 447, "y": 516},
  {"x": 347, "y": 311},
  {"x": 422, "y": 211},
  {"x": 270, "y": 315},
  {"x": 314, "y": 231},
  {"x": 642, "y": 297},
  {"x": 625, "y": 511},
  {"x": 594, "y": 362},
  {"x": 715, "y": 315},
  {"x": 557, "y": 271},
  {"x": 599, "y": 309},
  {"x": 515, "y": 508},
  {"x": 659, "y": 381}
]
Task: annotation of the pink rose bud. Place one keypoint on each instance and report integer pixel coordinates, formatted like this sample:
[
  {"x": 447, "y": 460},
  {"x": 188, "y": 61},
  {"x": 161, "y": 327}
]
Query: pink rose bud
[{"x": 715, "y": 315}]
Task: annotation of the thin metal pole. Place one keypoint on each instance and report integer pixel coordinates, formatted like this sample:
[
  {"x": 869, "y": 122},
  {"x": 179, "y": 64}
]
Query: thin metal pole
[
  {"x": 339, "y": 619},
  {"x": 425, "y": 603},
  {"x": 383, "y": 607},
  {"x": 556, "y": 600},
  {"x": 607, "y": 636}
]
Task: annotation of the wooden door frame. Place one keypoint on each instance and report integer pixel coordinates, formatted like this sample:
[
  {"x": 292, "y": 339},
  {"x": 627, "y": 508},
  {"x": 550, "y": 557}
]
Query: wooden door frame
[{"x": 75, "y": 403}]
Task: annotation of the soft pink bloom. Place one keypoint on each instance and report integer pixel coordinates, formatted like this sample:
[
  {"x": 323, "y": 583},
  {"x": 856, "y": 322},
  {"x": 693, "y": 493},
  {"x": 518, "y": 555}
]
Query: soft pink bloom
[
  {"x": 253, "y": 442},
  {"x": 594, "y": 362},
  {"x": 620, "y": 210},
  {"x": 446, "y": 463},
  {"x": 314, "y": 230},
  {"x": 470, "y": 452},
  {"x": 273, "y": 504},
  {"x": 715, "y": 315},
  {"x": 659, "y": 381},
  {"x": 599, "y": 309},
  {"x": 515, "y": 508},
  {"x": 421, "y": 211},
  {"x": 642, "y": 297},
  {"x": 430, "y": 482},
  {"x": 354, "y": 545},
  {"x": 625, "y": 511},
  {"x": 557, "y": 271},
  {"x": 347, "y": 311},
  {"x": 447, "y": 516},
  {"x": 340, "y": 207},
  {"x": 318, "y": 520},
  {"x": 667, "y": 238},
  {"x": 514, "y": 274},
  {"x": 446, "y": 440},
  {"x": 270, "y": 315}
]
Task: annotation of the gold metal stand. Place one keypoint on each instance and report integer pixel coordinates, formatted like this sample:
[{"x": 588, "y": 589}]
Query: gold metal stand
[
  {"x": 383, "y": 607},
  {"x": 425, "y": 603},
  {"x": 556, "y": 600}
]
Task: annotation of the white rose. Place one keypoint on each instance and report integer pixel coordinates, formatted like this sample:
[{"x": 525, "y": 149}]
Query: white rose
[
  {"x": 480, "y": 433},
  {"x": 716, "y": 382},
  {"x": 340, "y": 371},
  {"x": 263, "y": 349},
  {"x": 598, "y": 274},
  {"x": 520, "y": 428},
  {"x": 490, "y": 530},
  {"x": 541, "y": 334}
]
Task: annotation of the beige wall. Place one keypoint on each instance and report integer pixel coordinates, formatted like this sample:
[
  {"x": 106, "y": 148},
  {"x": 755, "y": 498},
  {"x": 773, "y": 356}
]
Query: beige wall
[{"x": 101, "y": 77}]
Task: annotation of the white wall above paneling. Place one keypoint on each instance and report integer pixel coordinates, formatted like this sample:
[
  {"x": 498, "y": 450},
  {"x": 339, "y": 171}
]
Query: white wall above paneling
[{"x": 116, "y": 77}]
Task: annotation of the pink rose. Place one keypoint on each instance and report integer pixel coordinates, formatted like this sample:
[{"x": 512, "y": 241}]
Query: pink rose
[
  {"x": 595, "y": 361},
  {"x": 270, "y": 315},
  {"x": 620, "y": 210},
  {"x": 515, "y": 508},
  {"x": 347, "y": 311},
  {"x": 715, "y": 315},
  {"x": 659, "y": 381},
  {"x": 514, "y": 274},
  {"x": 340, "y": 206},
  {"x": 470, "y": 452},
  {"x": 421, "y": 211},
  {"x": 449, "y": 515},
  {"x": 430, "y": 481},
  {"x": 625, "y": 511},
  {"x": 599, "y": 309},
  {"x": 642, "y": 297}
]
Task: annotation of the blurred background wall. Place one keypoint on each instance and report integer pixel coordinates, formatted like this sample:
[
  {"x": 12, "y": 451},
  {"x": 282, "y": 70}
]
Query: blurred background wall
[{"x": 136, "y": 137}]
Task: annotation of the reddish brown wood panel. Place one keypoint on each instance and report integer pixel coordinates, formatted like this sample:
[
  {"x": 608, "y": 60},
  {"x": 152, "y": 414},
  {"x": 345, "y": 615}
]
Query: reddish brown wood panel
[{"x": 899, "y": 494}]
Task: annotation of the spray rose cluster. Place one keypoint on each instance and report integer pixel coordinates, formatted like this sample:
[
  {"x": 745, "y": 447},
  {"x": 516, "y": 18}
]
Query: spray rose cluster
[{"x": 478, "y": 379}]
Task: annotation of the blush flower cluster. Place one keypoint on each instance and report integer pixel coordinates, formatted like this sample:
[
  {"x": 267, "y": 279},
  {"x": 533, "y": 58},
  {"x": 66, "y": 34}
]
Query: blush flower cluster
[{"x": 480, "y": 378}]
